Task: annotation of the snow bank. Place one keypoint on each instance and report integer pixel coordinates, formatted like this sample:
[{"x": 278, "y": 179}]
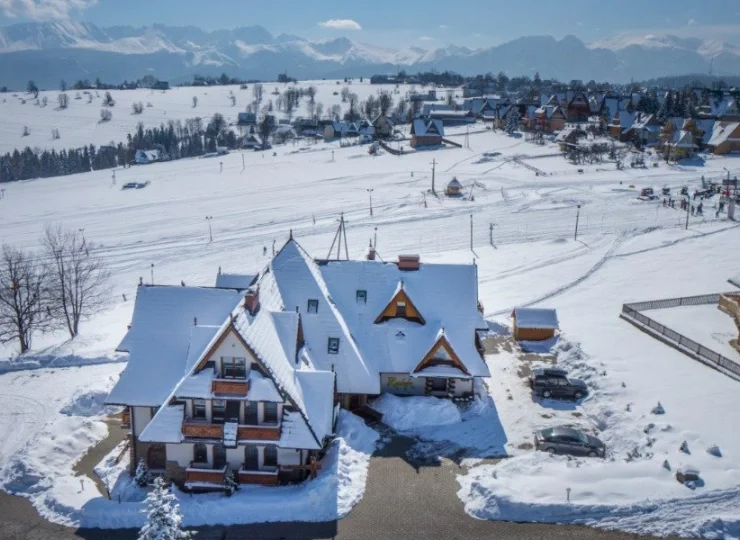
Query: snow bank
[
  {"x": 339, "y": 486},
  {"x": 86, "y": 404},
  {"x": 413, "y": 412}
]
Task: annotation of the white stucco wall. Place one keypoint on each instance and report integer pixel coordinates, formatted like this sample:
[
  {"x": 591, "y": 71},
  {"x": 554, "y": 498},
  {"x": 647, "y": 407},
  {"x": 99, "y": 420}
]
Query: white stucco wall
[
  {"x": 140, "y": 417},
  {"x": 463, "y": 386},
  {"x": 181, "y": 453},
  {"x": 289, "y": 456},
  {"x": 235, "y": 457},
  {"x": 231, "y": 346}
]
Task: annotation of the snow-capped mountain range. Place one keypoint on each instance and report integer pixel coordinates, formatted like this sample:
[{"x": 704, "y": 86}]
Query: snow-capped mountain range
[{"x": 48, "y": 52}]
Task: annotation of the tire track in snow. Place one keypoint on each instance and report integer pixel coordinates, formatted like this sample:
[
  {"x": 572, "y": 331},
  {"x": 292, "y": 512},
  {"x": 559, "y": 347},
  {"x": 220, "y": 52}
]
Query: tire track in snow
[{"x": 621, "y": 238}]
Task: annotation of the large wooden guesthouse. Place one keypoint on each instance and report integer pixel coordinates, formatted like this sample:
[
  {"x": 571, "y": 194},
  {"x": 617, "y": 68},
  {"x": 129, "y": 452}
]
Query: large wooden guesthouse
[{"x": 246, "y": 376}]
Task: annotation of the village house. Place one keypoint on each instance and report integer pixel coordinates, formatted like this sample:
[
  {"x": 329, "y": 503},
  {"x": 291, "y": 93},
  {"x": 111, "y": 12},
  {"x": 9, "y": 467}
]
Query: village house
[
  {"x": 579, "y": 108},
  {"x": 246, "y": 119},
  {"x": 453, "y": 118},
  {"x": 454, "y": 188},
  {"x": 549, "y": 118},
  {"x": 341, "y": 129},
  {"x": 144, "y": 157},
  {"x": 246, "y": 376},
  {"x": 383, "y": 127},
  {"x": 426, "y": 132},
  {"x": 680, "y": 143},
  {"x": 725, "y": 138}
]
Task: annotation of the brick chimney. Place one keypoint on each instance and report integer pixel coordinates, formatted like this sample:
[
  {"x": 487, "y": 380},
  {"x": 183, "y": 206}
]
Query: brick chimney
[
  {"x": 252, "y": 300},
  {"x": 408, "y": 262}
]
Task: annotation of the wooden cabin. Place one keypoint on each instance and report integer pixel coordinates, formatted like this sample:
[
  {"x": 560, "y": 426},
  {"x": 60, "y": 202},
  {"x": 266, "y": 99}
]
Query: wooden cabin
[
  {"x": 534, "y": 324},
  {"x": 454, "y": 188}
]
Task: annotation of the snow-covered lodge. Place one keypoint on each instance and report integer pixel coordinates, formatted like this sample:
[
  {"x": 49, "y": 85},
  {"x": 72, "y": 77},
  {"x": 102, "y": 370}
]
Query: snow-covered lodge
[{"x": 247, "y": 376}]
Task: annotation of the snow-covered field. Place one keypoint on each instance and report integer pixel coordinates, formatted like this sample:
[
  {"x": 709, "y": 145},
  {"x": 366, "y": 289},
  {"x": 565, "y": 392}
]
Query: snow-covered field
[
  {"x": 79, "y": 124},
  {"x": 627, "y": 250}
]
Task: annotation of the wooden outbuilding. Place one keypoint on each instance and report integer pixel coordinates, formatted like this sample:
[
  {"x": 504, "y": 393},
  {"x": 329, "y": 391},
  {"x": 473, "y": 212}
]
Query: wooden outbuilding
[
  {"x": 454, "y": 188},
  {"x": 534, "y": 324}
]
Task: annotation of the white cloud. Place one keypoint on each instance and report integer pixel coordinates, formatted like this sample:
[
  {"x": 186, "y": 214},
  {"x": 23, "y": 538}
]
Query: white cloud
[
  {"x": 426, "y": 38},
  {"x": 691, "y": 22},
  {"x": 339, "y": 24},
  {"x": 43, "y": 9}
]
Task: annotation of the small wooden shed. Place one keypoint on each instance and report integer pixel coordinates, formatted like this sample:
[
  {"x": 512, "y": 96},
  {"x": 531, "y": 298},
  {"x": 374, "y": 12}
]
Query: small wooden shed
[
  {"x": 454, "y": 188},
  {"x": 534, "y": 324}
]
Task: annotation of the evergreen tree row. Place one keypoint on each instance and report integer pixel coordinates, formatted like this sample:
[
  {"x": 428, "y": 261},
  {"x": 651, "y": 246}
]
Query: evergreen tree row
[{"x": 175, "y": 140}]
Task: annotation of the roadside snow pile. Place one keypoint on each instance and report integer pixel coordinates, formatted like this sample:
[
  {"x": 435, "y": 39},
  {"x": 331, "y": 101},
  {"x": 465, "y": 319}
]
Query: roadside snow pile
[
  {"x": 113, "y": 472},
  {"x": 414, "y": 412},
  {"x": 86, "y": 404},
  {"x": 643, "y": 497}
]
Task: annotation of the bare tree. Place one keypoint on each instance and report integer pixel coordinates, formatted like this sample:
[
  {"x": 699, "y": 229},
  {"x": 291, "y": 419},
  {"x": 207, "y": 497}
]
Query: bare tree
[
  {"x": 385, "y": 102},
  {"x": 26, "y": 131},
  {"x": 195, "y": 101},
  {"x": 345, "y": 94},
  {"x": 257, "y": 91},
  {"x": 78, "y": 278},
  {"x": 137, "y": 107},
  {"x": 105, "y": 115},
  {"x": 108, "y": 100},
  {"x": 311, "y": 93},
  {"x": 266, "y": 125},
  {"x": 335, "y": 111},
  {"x": 311, "y": 108},
  {"x": 63, "y": 100},
  {"x": 21, "y": 300},
  {"x": 319, "y": 109}
]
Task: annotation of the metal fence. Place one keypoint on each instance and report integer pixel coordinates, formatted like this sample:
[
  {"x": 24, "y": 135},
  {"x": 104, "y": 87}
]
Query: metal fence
[{"x": 632, "y": 313}]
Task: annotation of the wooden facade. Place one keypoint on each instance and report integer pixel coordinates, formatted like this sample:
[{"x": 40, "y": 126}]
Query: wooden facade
[
  {"x": 258, "y": 433},
  {"x": 430, "y": 358},
  {"x": 230, "y": 387},
  {"x": 258, "y": 478},
  {"x": 400, "y": 306},
  {"x": 201, "y": 430},
  {"x": 533, "y": 334}
]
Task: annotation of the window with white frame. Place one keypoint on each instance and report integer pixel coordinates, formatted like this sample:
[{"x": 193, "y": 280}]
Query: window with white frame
[
  {"x": 313, "y": 306},
  {"x": 219, "y": 410},
  {"x": 271, "y": 412},
  {"x": 333, "y": 345},
  {"x": 361, "y": 296}
]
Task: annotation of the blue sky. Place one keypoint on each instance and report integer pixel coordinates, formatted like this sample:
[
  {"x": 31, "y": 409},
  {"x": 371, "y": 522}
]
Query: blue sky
[{"x": 427, "y": 23}]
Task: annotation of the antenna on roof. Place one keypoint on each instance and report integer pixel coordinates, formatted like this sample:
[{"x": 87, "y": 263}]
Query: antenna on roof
[
  {"x": 141, "y": 281},
  {"x": 195, "y": 321},
  {"x": 219, "y": 270},
  {"x": 290, "y": 236},
  {"x": 341, "y": 232}
]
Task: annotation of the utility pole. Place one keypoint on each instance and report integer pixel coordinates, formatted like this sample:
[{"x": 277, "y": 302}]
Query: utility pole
[
  {"x": 434, "y": 164},
  {"x": 370, "y": 192},
  {"x": 210, "y": 230},
  {"x": 82, "y": 232},
  {"x": 152, "y": 272},
  {"x": 471, "y": 232},
  {"x": 375, "y": 240},
  {"x": 332, "y": 156},
  {"x": 688, "y": 203},
  {"x": 244, "y": 165},
  {"x": 578, "y": 215}
]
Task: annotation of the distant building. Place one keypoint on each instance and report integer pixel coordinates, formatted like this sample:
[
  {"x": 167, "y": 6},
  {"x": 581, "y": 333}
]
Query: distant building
[
  {"x": 725, "y": 138},
  {"x": 426, "y": 133},
  {"x": 532, "y": 324},
  {"x": 144, "y": 157},
  {"x": 453, "y": 118},
  {"x": 454, "y": 188},
  {"x": 246, "y": 119},
  {"x": 161, "y": 85}
]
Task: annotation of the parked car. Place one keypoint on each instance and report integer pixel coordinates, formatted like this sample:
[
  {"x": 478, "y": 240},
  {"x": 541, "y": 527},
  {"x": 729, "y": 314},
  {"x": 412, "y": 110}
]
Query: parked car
[
  {"x": 554, "y": 383},
  {"x": 565, "y": 440}
]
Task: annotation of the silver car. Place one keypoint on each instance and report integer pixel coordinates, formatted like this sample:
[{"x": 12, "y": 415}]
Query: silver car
[{"x": 565, "y": 440}]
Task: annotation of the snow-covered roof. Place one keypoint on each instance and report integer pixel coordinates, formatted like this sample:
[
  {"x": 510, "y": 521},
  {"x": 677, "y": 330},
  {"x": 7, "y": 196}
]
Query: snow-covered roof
[
  {"x": 735, "y": 281},
  {"x": 444, "y": 294},
  {"x": 454, "y": 183},
  {"x": 722, "y": 133},
  {"x": 422, "y": 128},
  {"x": 536, "y": 318},
  {"x": 234, "y": 281},
  {"x": 297, "y": 279},
  {"x": 159, "y": 341},
  {"x": 166, "y": 426}
]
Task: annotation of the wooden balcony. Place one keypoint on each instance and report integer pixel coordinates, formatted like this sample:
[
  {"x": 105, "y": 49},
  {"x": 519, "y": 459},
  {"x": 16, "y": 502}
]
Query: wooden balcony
[
  {"x": 202, "y": 430},
  {"x": 202, "y": 475},
  {"x": 231, "y": 387},
  {"x": 259, "y": 433},
  {"x": 262, "y": 478}
]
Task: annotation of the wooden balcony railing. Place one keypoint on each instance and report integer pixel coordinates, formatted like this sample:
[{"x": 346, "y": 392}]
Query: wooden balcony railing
[
  {"x": 198, "y": 475},
  {"x": 230, "y": 387},
  {"x": 202, "y": 430},
  {"x": 259, "y": 433},
  {"x": 263, "y": 478}
]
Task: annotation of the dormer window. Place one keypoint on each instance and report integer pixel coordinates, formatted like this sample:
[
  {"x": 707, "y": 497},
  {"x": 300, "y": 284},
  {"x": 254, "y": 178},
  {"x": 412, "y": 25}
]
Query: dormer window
[
  {"x": 313, "y": 306},
  {"x": 361, "y": 296},
  {"x": 333, "y": 347},
  {"x": 401, "y": 309}
]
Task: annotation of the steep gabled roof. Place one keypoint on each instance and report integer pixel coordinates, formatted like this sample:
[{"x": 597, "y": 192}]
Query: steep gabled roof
[{"x": 159, "y": 341}]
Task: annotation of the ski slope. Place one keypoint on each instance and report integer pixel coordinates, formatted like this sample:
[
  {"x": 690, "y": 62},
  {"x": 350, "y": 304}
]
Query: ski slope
[{"x": 626, "y": 250}]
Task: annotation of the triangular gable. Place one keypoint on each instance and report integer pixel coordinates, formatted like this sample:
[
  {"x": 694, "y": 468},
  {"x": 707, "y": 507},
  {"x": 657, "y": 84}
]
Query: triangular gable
[
  {"x": 441, "y": 354},
  {"x": 391, "y": 310},
  {"x": 226, "y": 332},
  {"x": 432, "y": 128}
]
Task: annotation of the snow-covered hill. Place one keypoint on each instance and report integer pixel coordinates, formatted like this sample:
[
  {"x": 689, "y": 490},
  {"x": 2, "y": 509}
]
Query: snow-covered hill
[{"x": 46, "y": 52}]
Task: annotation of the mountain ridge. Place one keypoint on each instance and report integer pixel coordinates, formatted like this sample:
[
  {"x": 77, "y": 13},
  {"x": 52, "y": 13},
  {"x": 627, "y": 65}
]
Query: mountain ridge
[{"x": 74, "y": 50}]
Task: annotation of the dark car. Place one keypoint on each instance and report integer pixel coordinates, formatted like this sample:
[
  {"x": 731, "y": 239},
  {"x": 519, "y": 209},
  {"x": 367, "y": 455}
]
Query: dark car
[
  {"x": 565, "y": 440},
  {"x": 554, "y": 383}
]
